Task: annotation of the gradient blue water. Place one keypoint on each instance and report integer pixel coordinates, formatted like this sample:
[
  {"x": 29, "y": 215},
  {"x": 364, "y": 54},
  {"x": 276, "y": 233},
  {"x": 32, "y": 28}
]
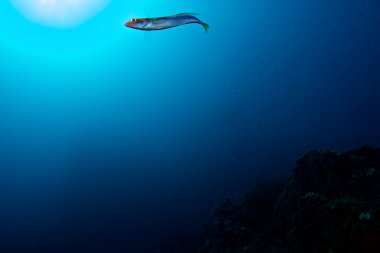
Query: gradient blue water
[{"x": 113, "y": 141}]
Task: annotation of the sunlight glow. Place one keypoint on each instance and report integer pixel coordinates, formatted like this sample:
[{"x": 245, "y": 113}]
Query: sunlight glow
[{"x": 59, "y": 13}]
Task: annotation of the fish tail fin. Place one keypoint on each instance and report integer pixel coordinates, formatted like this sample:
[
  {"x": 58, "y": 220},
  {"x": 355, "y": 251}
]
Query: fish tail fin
[{"x": 206, "y": 27}]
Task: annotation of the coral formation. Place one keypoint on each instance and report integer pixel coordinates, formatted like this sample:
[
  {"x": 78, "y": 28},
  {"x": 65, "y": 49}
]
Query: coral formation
[{"x": 331, "y": 203}]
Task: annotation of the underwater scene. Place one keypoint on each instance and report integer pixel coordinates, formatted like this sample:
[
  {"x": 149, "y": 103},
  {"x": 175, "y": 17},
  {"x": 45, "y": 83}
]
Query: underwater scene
[{"x": 146, "y": 126}]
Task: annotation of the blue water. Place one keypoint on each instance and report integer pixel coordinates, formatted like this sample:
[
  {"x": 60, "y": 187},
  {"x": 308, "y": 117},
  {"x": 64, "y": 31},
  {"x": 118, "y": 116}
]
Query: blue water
[{"x": 113, "y": 140}]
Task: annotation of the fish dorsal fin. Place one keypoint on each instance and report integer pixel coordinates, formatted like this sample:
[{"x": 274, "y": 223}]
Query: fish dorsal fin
[{"x": 186, "y": 14}]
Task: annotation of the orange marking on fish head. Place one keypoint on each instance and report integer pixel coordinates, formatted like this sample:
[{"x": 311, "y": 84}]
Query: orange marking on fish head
[{"x": 135, "y": 21}]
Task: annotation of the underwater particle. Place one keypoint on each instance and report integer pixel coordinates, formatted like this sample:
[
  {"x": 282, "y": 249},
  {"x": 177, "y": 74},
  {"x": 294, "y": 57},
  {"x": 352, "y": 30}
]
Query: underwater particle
[
  {"x": 365, "y": 216},
  {"x": 370, "y": 171},
  {"x": 161, "y": 23},
  {"x": 310, "y": 195}
]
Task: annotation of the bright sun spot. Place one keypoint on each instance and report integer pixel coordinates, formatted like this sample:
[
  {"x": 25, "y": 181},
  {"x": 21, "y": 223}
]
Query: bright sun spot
[{"x": 59, "y": 13}]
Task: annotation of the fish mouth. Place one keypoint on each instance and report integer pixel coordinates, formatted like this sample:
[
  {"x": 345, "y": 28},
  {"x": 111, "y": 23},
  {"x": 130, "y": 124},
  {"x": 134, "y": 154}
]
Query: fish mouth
[{"x": 131, "y": 24}]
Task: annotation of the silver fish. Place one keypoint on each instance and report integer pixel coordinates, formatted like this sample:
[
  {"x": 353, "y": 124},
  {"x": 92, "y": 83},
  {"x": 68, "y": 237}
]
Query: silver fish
[{"x": 160, "y": 23}]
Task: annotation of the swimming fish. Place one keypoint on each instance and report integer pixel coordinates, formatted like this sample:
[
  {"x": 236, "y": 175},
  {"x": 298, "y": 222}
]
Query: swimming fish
[{"x": 160, "y": 23}]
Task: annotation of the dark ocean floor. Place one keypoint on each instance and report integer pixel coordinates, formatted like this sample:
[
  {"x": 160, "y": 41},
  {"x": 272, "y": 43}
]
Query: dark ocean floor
[{"x": 329, "y": 204}]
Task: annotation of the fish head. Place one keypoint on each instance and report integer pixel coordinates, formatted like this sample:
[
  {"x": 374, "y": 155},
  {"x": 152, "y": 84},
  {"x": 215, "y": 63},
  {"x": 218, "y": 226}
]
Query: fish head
[{"x": 137, "y": 23}]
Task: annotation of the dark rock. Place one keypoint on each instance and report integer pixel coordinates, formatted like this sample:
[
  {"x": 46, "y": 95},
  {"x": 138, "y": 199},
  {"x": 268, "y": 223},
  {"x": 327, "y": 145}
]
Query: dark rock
[
  {"x": 244, "y": 224},
  {"x": 331, "y": 204}
]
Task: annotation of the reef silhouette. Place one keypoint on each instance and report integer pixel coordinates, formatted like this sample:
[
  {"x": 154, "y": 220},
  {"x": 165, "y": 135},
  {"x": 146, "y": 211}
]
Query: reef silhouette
[{"x": 330, "y": 204}]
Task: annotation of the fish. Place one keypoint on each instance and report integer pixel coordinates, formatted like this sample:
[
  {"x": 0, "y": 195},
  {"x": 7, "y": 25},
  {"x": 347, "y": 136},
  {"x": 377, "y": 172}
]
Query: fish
[{"x": 161, "y": 23}]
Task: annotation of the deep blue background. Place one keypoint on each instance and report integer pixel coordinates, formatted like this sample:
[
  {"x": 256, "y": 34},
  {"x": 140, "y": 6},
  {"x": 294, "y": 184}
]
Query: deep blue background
[{"x": 114, "y": 141}]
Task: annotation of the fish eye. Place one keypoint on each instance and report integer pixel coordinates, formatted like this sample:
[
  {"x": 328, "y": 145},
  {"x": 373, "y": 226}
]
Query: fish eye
[{"x": 133, "y": 19}]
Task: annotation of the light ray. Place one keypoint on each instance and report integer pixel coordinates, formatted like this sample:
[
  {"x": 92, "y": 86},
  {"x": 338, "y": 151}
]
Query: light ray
[{"x": 59, "y": 13}]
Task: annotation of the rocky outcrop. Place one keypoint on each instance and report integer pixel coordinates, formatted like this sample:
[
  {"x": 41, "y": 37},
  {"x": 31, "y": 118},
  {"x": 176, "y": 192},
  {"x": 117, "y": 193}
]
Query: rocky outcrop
[
  {"x": 244, "y": 224},
  {"x": 331, "y": 203}
]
